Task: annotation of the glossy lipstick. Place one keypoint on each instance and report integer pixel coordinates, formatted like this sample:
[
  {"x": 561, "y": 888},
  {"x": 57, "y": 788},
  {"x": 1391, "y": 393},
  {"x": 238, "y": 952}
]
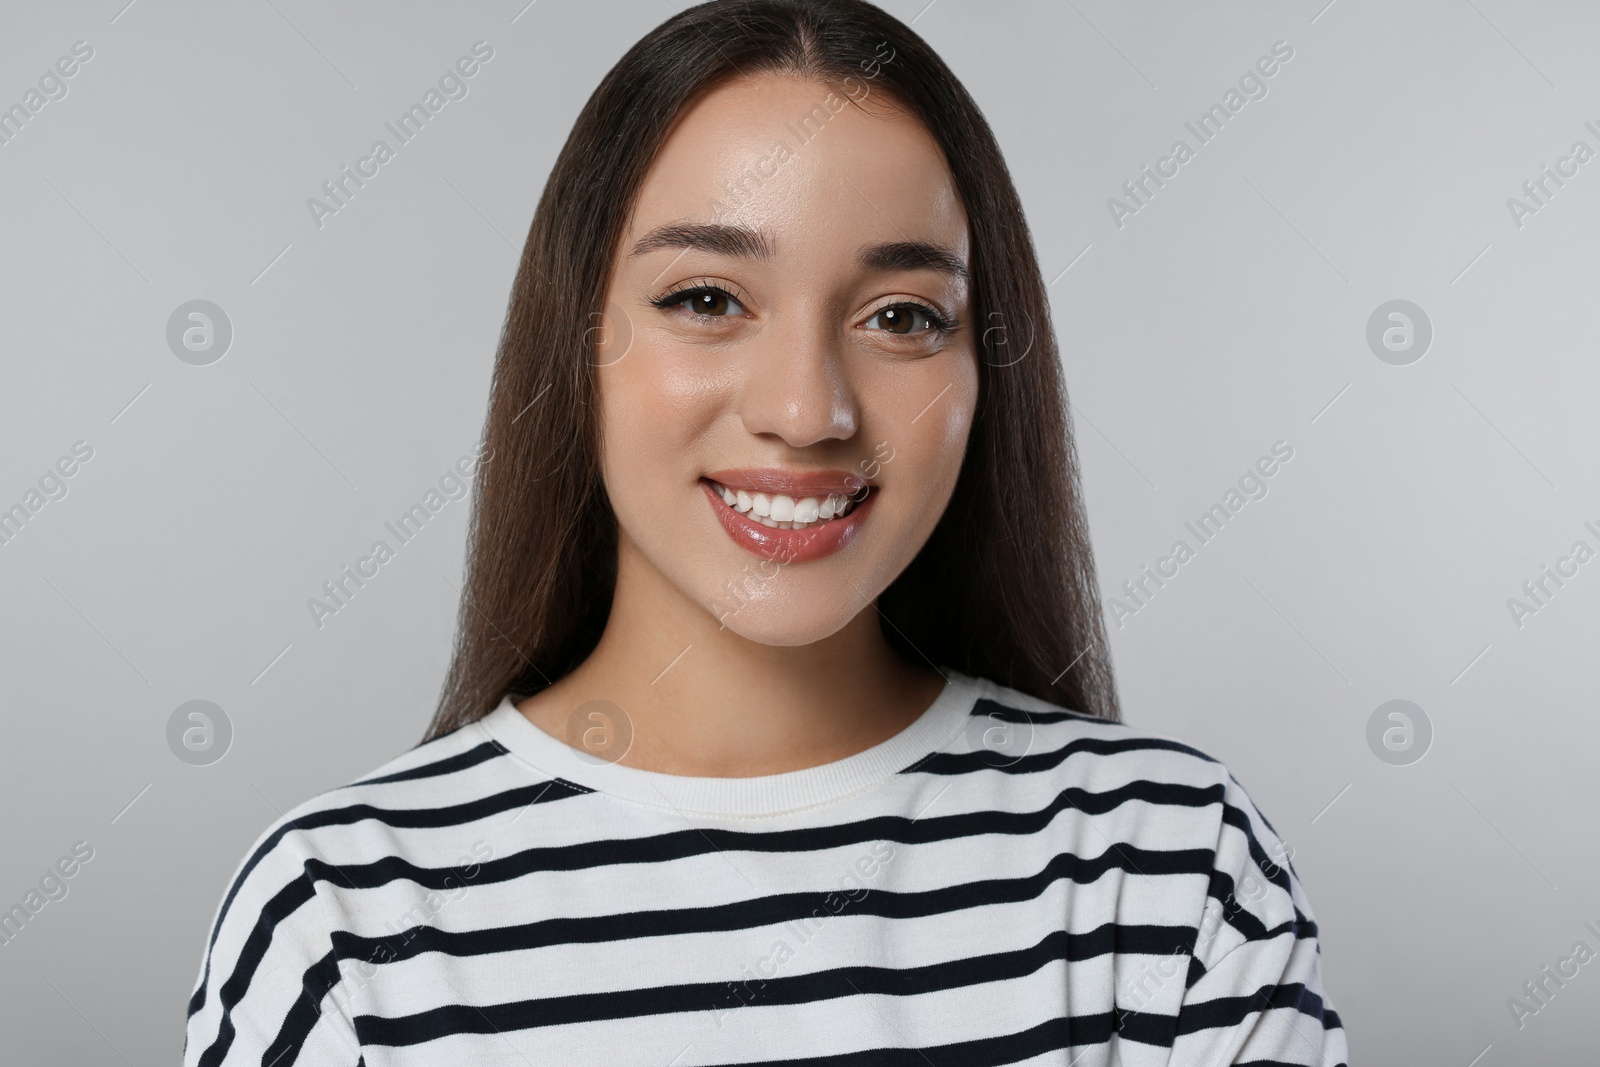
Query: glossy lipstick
[{"x": 790, "y": 546}]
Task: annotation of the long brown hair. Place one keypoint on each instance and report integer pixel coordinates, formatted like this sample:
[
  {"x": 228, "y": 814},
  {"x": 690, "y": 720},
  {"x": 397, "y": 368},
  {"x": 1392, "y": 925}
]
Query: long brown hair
[{"x": 1004, "y": 587}]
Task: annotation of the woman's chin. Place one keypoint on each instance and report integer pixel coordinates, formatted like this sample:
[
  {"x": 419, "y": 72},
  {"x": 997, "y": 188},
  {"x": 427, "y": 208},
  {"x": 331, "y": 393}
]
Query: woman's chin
[{"x": 777, "y": 623}]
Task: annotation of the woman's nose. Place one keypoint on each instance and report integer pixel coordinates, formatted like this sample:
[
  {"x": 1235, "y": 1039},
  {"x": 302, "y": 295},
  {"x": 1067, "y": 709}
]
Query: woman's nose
[{"x": 796, "y": 387}]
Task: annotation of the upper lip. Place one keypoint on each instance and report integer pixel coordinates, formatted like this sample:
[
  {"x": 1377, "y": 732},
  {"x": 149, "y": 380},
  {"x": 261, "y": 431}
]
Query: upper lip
[{"x": 795, "y": 483}]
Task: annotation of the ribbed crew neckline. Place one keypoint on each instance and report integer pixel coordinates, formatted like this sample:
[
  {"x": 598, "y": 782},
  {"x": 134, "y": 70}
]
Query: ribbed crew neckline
[{"x": 768, "y": 794}]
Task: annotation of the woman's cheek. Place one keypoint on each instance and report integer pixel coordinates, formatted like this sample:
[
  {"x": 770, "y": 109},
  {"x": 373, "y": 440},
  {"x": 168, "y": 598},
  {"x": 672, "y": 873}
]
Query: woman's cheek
[
  {"x": 938, "y": 428},
  {"x": 652, "y": 414},
  {"x": 633, "y": 435},
  {"x": 941, "y": 443},
  {"x": 956, "y": 426}
]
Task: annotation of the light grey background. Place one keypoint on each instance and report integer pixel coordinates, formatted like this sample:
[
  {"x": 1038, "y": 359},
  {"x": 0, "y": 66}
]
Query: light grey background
[{"x": 1229, "y": 313}]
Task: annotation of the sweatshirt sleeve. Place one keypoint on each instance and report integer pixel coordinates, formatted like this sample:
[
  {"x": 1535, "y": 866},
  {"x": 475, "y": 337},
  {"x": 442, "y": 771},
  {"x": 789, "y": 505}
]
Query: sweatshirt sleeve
[
  {"x": 1254, "y": 991},
  {"x": 270, "y": 988}
]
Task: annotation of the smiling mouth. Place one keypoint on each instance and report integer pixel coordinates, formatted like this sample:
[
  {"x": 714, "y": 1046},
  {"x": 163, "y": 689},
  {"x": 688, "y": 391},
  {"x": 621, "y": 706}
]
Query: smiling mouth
[
  {"x": 794, "y": 529},
  {"x": 782, "y": 512}
]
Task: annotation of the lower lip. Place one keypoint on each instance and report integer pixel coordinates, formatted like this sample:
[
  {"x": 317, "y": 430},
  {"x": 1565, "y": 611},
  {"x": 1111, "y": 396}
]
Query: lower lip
[{"x": 789, "y": 546}]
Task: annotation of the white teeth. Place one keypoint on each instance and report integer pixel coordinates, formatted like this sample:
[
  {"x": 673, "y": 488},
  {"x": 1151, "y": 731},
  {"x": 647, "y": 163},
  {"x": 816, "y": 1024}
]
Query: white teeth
[{"x": 785, "y": 512}]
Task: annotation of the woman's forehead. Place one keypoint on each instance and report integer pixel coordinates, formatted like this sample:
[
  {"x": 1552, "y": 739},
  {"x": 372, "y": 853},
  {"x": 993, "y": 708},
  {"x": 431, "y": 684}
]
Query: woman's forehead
[{"x": 808, "y": 163}]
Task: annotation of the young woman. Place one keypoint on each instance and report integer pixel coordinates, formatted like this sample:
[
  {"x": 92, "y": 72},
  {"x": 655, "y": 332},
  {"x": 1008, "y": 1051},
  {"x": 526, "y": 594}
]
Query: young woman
[{"x": 781, "y": 727}]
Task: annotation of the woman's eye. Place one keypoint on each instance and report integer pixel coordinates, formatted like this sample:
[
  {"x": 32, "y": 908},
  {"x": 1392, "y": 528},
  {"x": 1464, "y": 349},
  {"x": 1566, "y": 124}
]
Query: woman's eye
[
  {"x": 906, "y": 319},
  {"x": 713, "y": 303}
]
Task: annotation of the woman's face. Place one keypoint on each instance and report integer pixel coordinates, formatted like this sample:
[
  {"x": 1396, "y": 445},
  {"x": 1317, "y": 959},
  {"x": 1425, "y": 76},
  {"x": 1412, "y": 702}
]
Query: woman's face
[{"x": 787, "y": 328}]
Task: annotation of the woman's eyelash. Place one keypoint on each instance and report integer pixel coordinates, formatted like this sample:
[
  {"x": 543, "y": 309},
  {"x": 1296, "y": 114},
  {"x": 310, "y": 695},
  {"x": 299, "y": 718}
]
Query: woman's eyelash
[
  {"x": 667, "y": 301},
  {"x": 941, "y": 324}
]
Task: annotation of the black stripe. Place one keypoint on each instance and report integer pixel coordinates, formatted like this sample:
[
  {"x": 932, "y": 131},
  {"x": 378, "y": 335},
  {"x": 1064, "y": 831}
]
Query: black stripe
[
  {"x": 1249, "y": 926},
  {"x": 1147, "y": 1028},
  {"x": 459, "y": 762},
  {"x": 1301, "y": 927},
  {"x": 988, "y": 708},
  {"x": 776, "y": 909},
  {"x": 571, "y": 858},
  {"x": 1038, "y": 762},
  {"x": 1106, "y": 939},
  {"x": 1232, "y": 1011},
  {"x": 683, "y": 844},
  {"x": 280, "y": 907},
  {"x": 1235, "y": 779},
  {"x": 1237, "y": 818},
  {"x": 1287, "y": 861},
  {"x": 1223, "y": 887},
  {"x": 319, "y": 980},
  {"x": 1050, "y": 1036},
  {"x": 1234, "y": 913},
  {"x": 831, "y": 984}
]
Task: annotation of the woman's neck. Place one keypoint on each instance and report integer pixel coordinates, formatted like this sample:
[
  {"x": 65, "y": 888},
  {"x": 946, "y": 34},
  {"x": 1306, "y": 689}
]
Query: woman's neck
[{"x": 699, "y": 699}]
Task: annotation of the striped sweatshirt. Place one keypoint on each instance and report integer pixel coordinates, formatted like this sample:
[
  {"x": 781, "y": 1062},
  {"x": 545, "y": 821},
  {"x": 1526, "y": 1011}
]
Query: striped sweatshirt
[{"x": 1003, "y": 881}]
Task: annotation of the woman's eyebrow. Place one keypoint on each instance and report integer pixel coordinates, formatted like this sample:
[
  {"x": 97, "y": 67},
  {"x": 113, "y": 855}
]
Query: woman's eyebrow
[
  {"x": 744, "y": 242},
  {"x": 913, "y": 255},
  {"x": 715, "y": 237}
]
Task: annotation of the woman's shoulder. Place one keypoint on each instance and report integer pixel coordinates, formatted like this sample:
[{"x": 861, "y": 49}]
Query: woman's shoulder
[
  {"x": 1097, "y": 749},
  {"x": 420, "y": 818},
  {"x": 1165, "y": 805},
  {"x": 409, "y": 814},
  {"x": 1139, "y": 785},
  {"x": 1178, "y": 823},
  {"x": 425, "y": 811}
]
